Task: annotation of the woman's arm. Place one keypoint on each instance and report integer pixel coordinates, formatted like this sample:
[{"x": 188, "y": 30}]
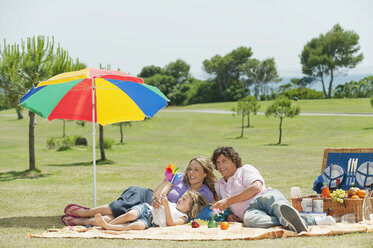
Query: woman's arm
[{"x": 162, "y": 188}]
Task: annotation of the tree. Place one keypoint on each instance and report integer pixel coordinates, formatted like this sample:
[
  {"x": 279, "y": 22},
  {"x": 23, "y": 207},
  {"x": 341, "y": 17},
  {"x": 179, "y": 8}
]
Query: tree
[
  {"x": 327, "y": 55},
  {"x": 35, "y": 66},
  {"x": 121, "y": 124},
  {"x": 259, "y": 73},
  {"x": 226, "y": 71},
  {"x": 149, "y": 71},
  {"x": 245, "y": 107},
  {"x": 10, "y": 81},
  {"x": 371, "y": 101},
  {"x": 282, "y": 108},
  {"x": 163, "y": 82},
  {"x": 302, "y": 82},
  {"x": 178, "y": 69},
  {"x": 102, "y": 145}
]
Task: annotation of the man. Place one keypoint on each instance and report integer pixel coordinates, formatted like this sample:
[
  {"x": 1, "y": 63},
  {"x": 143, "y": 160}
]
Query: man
[{"x": 243, "y": 190}]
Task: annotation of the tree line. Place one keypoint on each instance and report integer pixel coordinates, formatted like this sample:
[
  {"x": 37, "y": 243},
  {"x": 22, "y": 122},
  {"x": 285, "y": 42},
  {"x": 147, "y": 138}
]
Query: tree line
[
  {"x": 238, "y": 74},
  {"x": 231, "y": 77}
]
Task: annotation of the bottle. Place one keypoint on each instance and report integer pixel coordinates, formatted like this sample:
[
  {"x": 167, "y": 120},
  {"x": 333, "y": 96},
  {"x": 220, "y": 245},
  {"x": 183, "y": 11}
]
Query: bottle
[
  {"x": 367, "y": 207},
  {"x": 325, "y": 192},
  {"x": 338, "y": 184},
  {"x": 212, "y": 223}
]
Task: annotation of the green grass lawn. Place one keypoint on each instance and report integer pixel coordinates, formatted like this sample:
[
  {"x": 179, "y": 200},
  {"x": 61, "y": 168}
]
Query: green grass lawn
[{"x": 34, "y": 202}]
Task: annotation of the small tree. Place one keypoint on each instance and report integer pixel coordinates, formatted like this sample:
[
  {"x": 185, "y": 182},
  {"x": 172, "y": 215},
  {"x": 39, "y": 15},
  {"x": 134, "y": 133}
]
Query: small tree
[
  {"x": 35, "y": 66},
  {"x": 10, "y": 82},
  {"x": 245, "y": 107},
  {"x": 371, "y": 101},
  {"x": 121, "y": 125},
  {"x": 282, "y": 108}
]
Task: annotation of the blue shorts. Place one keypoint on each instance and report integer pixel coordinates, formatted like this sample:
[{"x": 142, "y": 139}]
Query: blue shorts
[
  {"x": 145, "y": 214},
  {"x": 130, "y": 197}
]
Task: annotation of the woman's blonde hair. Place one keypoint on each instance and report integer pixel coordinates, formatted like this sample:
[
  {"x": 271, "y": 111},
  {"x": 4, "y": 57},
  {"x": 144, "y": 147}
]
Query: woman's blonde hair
[
  {"x": 198, "y": 203},
  {"x": 210, "y": 179}
]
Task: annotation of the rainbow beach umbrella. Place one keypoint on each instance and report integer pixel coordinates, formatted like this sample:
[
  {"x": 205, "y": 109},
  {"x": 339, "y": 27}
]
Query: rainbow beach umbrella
[{"x": 98, "y": 96}]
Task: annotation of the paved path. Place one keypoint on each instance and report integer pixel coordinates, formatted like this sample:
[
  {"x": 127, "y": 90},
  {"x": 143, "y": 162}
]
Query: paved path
[{"x": 217, "y": 111}]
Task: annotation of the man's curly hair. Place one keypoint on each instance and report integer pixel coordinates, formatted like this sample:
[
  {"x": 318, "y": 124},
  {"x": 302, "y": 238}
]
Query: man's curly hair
[{"x": 228, "y": 152}]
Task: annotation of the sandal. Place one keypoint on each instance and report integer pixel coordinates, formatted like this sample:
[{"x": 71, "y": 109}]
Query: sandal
[
  {"x": 71, "y": 212},
  {"x": 68, "y": 222}
]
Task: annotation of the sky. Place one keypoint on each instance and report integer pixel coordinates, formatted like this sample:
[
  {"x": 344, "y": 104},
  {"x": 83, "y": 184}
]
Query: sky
[{"x": 132, "y": 34}]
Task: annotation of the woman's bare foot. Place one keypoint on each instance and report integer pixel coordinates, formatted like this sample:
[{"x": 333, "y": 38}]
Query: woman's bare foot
[
  {"x": 100, "y": 221},
  {"x": 76, "y": 210}
]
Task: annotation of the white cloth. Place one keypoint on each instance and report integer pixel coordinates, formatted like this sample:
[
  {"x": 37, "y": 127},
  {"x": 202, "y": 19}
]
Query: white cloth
[
  {"x": 242, "y": 178},
  {"x": 159, "y": 214}
]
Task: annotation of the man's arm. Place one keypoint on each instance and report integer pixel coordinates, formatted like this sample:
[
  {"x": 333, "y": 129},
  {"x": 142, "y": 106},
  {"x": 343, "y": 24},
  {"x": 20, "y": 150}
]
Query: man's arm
[{"x": 246, "y": 194}]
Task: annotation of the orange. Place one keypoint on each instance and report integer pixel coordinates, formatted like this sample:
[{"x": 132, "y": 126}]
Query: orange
[
  {"x": 355, "y": 197},
  {"x": 224, "y": 225},
  {"x": 361, "y": 193}
]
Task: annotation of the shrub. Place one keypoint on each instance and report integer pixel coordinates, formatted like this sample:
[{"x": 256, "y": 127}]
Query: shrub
[
  {"x": 51, "y": 143},
  {"x": 303, "y": 93},
  {"x": 65, "y": 144},
  {"x": 353, "y": 89},
  {"x": 108, "y": 143},
  {"x": 61, "y": 144}
]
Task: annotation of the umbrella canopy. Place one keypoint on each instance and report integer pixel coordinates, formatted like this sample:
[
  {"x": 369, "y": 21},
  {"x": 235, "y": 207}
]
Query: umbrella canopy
[
  {"x": 98, "y": 96},
  {"x": 117, "y": 97}
]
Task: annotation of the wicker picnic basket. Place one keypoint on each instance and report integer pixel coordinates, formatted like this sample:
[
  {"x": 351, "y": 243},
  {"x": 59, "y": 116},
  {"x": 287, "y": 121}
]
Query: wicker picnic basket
[
  {"x": 336, "y": 209},
  {"x": 349, "y": 206}
]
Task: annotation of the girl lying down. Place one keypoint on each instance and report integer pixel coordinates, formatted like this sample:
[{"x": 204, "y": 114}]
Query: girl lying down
[{"x": 143, "y": 216}]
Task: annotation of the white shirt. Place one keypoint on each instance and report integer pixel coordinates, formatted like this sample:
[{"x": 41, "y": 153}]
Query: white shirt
[
  {"x": 159, "y": 214},
  {"x": 242, "y": 178}
]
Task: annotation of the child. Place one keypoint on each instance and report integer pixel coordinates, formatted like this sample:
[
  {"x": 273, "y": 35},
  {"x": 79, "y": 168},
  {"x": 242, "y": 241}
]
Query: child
[{"x": 169, "y": 214}]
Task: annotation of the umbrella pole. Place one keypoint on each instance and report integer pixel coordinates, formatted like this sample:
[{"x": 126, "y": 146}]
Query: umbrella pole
[{"x": 94, "y": 141}]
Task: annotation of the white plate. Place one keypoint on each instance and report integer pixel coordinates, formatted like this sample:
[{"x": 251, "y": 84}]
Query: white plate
[
  {"x": 331, "y": 173},
  {"x": 362, "y": 173}
]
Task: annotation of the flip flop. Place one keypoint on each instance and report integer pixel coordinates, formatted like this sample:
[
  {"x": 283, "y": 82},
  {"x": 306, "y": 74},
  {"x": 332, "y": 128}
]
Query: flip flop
[
  {"x": 71, "y": 213},
  {"x": 68, "y": 222}
]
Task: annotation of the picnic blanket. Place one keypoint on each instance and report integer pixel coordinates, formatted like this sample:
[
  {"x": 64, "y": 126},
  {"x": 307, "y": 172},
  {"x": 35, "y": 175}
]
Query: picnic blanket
[{"x": 236, "y": 231}]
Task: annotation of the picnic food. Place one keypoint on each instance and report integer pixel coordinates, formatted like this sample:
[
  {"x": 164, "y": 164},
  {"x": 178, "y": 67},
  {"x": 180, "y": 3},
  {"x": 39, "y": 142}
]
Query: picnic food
[
  {"x": 361, "y": 193},
  {"x": 338, "y": 195},
  {"x": 353, "y": 191},
  {"x": 224, "y": 225},
  {"x": 195, "y": 224}
]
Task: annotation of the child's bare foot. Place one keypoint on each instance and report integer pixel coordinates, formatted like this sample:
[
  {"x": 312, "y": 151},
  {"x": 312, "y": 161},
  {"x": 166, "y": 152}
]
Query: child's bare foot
[{"x": 100, "y": 221}]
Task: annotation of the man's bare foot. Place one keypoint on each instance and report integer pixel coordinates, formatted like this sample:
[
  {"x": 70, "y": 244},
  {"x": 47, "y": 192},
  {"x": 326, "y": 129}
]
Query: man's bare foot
[{"x": 100, "y": 221}]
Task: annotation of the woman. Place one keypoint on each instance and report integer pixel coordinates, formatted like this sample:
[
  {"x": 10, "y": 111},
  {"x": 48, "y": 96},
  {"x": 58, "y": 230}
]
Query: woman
[{"x": 199, "y": 176}]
